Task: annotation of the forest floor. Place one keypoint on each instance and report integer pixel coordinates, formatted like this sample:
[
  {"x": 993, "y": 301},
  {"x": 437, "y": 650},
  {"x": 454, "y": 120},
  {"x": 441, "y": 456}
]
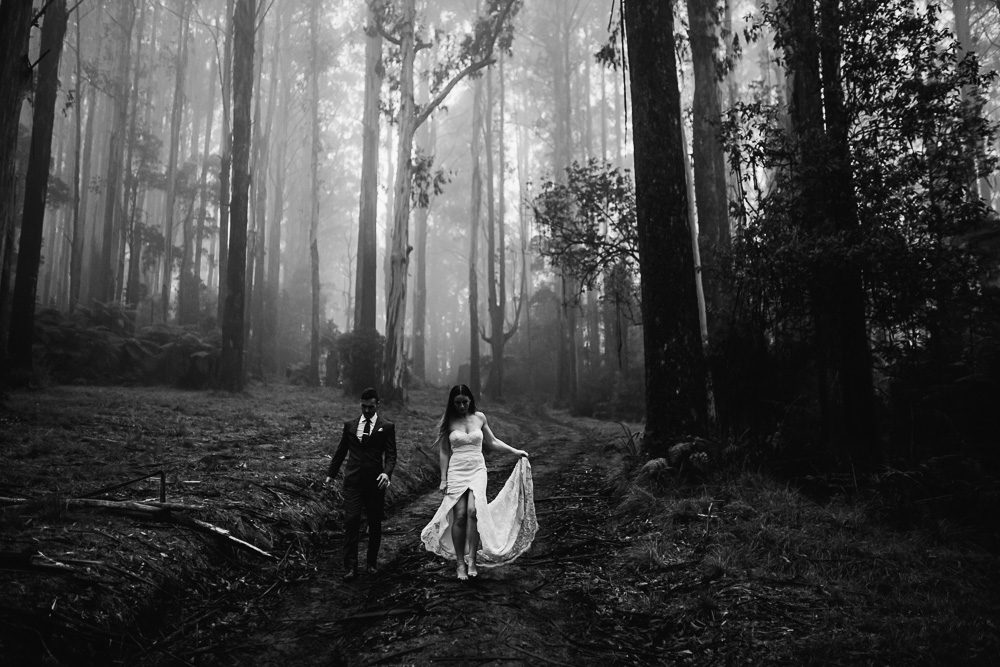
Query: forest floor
[{"x": 625, "y": 569}]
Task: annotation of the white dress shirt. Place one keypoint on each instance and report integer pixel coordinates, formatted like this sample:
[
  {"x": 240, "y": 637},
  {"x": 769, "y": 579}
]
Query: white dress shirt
[{"x": 361, "y": 425}]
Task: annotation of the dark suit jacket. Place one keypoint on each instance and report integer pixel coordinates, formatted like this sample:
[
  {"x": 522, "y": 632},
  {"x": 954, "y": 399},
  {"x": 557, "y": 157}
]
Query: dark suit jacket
[{"x": 375, "y": 455}]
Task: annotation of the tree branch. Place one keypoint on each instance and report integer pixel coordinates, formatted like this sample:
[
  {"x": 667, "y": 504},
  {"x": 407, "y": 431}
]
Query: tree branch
[
  {"x": 433, "y": 104},
  {"x": 474, "y": 67},
  {"x": 386, "y": 35}
]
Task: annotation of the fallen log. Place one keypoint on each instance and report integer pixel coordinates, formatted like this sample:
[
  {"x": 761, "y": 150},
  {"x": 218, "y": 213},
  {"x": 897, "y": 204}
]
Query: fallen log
[{"x": 158, "y": 512}]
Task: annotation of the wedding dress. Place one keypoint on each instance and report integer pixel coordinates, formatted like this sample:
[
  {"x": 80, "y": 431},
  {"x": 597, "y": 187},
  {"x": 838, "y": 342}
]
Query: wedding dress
[{"x": 506, "y": 526}]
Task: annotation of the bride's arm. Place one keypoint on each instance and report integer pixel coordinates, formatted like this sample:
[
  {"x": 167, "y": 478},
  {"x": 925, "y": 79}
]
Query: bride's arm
[
  {"x": 444, "y": 456},
  {"x": 490, "y": 441}
]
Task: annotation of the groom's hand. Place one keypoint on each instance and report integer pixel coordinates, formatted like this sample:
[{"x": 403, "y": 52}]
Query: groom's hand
[{"x": 383, "y": 481}]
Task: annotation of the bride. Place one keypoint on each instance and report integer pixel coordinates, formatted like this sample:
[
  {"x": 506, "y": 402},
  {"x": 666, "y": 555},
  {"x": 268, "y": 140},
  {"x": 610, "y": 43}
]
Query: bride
[{"x": 465, "y": 527}]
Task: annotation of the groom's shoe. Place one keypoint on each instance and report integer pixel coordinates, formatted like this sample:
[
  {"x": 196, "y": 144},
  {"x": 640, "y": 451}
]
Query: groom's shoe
[
  {"x": 350, "y": 575},
  {"x": 371, "y": 569}
]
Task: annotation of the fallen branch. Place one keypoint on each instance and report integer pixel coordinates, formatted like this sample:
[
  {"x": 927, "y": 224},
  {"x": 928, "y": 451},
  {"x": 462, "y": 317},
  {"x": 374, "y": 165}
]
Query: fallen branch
[
  {"x": 67, "y": 503},
  {"x": 154, "y": 512},
  {"x": 382, "y": 613},
  {"x": 538, "y": 657},
  {"x": 544, "y": 500},
  {"x": 212, "y": 529}
]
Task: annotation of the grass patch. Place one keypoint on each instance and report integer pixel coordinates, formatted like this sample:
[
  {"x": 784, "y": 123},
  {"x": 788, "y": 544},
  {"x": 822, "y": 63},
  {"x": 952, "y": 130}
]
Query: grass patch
[
  {"x": 85, "y": 585},
  {"x": 748, "y": 568}
]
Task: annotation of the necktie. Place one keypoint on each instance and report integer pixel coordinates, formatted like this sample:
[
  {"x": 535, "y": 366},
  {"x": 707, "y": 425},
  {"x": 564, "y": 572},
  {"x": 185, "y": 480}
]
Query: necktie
[{"x": 368, "y": 427}]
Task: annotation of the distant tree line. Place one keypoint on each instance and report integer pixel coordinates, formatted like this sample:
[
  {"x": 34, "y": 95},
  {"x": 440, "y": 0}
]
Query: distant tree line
[{"x": 772, "y": 224}]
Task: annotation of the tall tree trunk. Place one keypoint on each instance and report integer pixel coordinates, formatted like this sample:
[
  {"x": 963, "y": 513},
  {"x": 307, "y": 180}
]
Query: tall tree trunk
[
  {"x": 199, "y": 237},
  {"x": 86, "y": 169},
  {"x": 189, "y": 279},
  {"x": 978, "y": 185},
  {"x": 395, "y": 311},
  {"x": 709, "y": 162},
  {"x": 226, "y": 161},
  {"x": 131, "y": 195},
  {"x": 365, "y": 286},
  {"x": 126, "y": 242},
  {"x": 390, "y": 207},
  {"x": 36, "y": 186},
  {"x": 231, "y": 367},
  {"x": 492, "y": 307},
  {"x": 427, "y": 137},
  {"x": 273, "y": 304},
  {"x": 76, "y": 235},
  {"x": 497, "y": 252},
  {"x": 735, "y": 185},
  {"x": 592, "y": 311},
  {"x": 523, "y": 171},
  {"x": 107, "y": 275},
  {"x": 850, "y": 336},
  {"x": 15, "y": 82},
  {"x": 258, "y": 191},
  {"x": 674, "y": 366},
  {"x": 608, "y": 321},
  {"x": 562, "y": 155},
  {"x": 476, "y": 200},
  {"x": 499, "y": 316},
  {"x": 314, "y": 192},
  {"x": 176, "y": 114},
  {"x": 265, "y": 230}
]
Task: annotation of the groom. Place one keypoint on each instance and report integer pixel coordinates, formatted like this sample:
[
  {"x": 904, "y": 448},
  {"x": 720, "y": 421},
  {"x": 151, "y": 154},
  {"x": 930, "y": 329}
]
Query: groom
[{"x": 368, "y": 444}]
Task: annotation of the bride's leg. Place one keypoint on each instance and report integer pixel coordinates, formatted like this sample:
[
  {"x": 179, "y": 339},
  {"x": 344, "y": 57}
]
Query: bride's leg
[
  {"x": 459, "y": 532},
  {"x": 472, "y": 535}
]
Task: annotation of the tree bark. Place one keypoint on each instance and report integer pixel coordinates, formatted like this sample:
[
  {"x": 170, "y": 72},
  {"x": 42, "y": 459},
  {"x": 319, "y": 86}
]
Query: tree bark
[
  {"x": 314, "y": 192},
  {"x": 107, "y": 275},
  {"x": 850, "y": 336},
  {"x": 199, "y": 237},
  {"x": 131, "y": 197},
  {"x": 176, "y": 114},
  {"x": 81, "y": 293},
  {"x": 427, "y": 137},
  {"x": 395, "y": 312},
  {"x": 674, "y": 364},
  {"x": 231, "y": 367},
  {"x": 273, "y": 300},
  {"x": 15, "y": 82},
  {"x": 258, "y": 209},
  {"x": 226, "y": 161},
  {"x": 476, "y": 200},
  {"x": 365, "y": 285},
  {"x": 36, "y": 187},
  {"x": 497, "y": 252},
  {"x": 76, "y": 235},
  {"x": 266, "y": 228},
  {"x": 709, "y": 162}
]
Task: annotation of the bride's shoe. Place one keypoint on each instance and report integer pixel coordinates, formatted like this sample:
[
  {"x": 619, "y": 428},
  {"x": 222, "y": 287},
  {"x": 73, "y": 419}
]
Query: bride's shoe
[
  {"x": 470, "y": 564},
  {"x": 461, "y": 571}
]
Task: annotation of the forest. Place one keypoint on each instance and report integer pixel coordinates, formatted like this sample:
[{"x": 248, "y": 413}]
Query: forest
[{"x": 756, "y": 235}]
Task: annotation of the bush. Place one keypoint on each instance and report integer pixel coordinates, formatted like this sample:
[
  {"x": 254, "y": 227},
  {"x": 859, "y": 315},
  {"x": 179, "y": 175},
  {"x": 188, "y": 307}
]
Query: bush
[{"x": 361, "y": 359}]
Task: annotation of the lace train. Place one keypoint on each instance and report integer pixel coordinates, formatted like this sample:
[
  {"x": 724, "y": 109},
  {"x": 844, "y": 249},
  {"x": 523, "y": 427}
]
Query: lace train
[{"x": 507, "y": 525}]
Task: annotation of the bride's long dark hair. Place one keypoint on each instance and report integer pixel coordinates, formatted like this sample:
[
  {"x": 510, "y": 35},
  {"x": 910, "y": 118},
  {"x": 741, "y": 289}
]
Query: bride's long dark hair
[{"x": 450, "y": 413}]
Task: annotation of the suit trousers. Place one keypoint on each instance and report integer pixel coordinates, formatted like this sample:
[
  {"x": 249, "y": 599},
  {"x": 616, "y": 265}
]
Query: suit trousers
[{"x": 361, "y": 494}]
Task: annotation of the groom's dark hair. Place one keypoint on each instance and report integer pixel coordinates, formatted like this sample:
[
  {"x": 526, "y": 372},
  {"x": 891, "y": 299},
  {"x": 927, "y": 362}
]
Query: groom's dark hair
[{"x": 370, "y": 392}]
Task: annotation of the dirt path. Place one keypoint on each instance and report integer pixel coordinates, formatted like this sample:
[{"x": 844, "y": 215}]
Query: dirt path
[{"x": 415, "y": 612}]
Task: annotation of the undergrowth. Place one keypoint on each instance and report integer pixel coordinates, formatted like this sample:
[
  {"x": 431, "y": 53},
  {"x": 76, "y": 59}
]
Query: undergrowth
[
  {"x": 93, "y": 584},
  {"x": 743, "y": 566}
]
